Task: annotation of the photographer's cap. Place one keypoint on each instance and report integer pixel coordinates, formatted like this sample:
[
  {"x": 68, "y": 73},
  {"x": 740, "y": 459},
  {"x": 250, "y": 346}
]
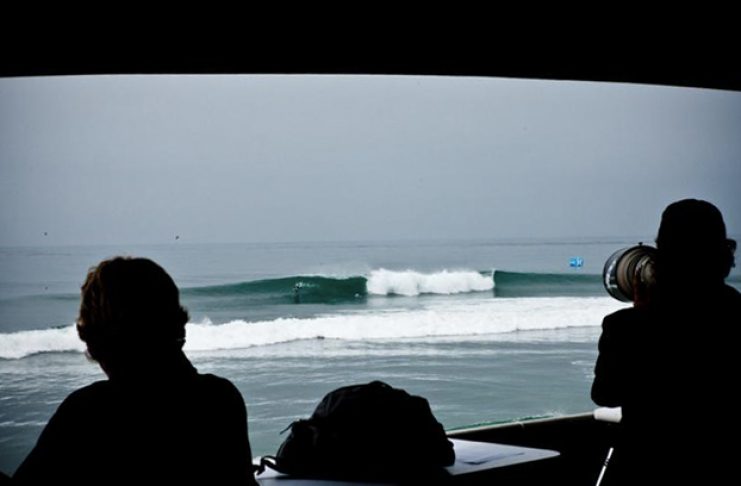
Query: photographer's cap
[{"x": 691, "y": 223}]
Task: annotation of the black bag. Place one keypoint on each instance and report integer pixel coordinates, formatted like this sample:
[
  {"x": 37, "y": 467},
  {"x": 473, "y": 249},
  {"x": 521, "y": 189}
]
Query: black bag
[{"x": 370, "y": 431}]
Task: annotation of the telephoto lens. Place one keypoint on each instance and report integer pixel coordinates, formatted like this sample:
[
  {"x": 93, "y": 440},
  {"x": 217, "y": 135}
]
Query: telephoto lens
[{"x": 624, "y": 266}]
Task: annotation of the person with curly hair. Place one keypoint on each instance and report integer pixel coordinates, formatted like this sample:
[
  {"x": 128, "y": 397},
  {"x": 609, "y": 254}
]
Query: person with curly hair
[{"x": 155, "y": 418}]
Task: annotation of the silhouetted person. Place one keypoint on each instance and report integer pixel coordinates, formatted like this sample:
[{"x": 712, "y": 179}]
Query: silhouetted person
[
  {"x": 156, "y": 420},
  {"x": 671, "y": 360}
]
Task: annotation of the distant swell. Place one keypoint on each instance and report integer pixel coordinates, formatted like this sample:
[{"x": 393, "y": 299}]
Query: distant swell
[
  {"x": 301, "y": 289},
  {"x": 515, "y": 284},
  {"x": 322, "y": 289},
  {"x": 492, "y": 316},
  {"x": 409, "y": 283},
  {"x": 317, "y": 289}
]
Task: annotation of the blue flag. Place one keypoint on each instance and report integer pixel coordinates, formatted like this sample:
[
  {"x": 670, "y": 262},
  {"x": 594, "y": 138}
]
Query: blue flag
[{"x": 576, "y": 262}]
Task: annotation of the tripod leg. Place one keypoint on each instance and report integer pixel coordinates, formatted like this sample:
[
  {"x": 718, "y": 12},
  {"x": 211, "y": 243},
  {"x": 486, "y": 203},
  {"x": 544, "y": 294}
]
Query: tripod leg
[{"x": 604, "y": 466}]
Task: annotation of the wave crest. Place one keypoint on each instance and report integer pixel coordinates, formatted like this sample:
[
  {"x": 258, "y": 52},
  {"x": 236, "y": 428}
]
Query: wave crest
[{"x": 410, "y": 283}]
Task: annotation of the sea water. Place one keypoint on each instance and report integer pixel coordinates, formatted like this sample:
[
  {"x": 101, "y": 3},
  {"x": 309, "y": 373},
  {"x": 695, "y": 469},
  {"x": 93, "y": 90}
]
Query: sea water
[{"x": 487, "y": 331}]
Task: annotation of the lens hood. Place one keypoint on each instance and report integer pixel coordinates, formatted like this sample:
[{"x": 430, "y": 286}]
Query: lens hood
[{"x": 626, "y": 264}]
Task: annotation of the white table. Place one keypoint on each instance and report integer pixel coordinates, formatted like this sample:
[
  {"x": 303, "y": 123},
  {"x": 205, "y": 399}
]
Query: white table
[{"x": 470, "y": 457}]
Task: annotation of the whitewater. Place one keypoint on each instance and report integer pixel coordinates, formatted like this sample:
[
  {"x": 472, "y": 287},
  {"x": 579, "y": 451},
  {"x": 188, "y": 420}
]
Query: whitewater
[
  {"x": 482, "y": 319},
  {"x": 389, "y": 319}
]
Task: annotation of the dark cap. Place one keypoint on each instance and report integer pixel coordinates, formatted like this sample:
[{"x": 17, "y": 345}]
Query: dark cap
[{"x": 691, "y": 223}]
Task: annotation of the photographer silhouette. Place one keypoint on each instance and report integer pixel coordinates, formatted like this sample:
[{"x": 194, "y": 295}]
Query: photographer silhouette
[{"x": 669, "y": 361}]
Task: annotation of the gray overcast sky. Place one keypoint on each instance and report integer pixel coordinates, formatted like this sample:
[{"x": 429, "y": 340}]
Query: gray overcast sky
[{"x": 127, "y": 159}]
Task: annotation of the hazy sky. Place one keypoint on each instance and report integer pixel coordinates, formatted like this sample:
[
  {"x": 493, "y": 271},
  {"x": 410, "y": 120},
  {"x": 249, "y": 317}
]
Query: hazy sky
[{"x": 127, "y": 159}]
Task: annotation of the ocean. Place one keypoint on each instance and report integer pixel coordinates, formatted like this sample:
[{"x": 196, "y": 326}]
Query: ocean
[{"x": 487, "y": 330}]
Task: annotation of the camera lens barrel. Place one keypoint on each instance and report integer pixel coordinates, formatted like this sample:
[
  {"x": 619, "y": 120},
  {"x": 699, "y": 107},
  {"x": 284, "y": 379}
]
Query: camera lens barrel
[{"x": 626, "y": 264}]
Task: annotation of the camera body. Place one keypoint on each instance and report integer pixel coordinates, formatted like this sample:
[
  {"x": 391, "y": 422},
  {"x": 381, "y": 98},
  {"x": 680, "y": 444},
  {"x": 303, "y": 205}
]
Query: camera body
[{"x": 627, "y": 267}]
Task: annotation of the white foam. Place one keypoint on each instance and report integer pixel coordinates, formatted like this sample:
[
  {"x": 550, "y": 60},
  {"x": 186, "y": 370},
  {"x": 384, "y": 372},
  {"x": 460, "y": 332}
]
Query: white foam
[
  {"x": 464, "y": 320},
  {"x": 494, "y": 316},
  {"x": 25, "y": 343},
  {"x": 411, "y": 283}
]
